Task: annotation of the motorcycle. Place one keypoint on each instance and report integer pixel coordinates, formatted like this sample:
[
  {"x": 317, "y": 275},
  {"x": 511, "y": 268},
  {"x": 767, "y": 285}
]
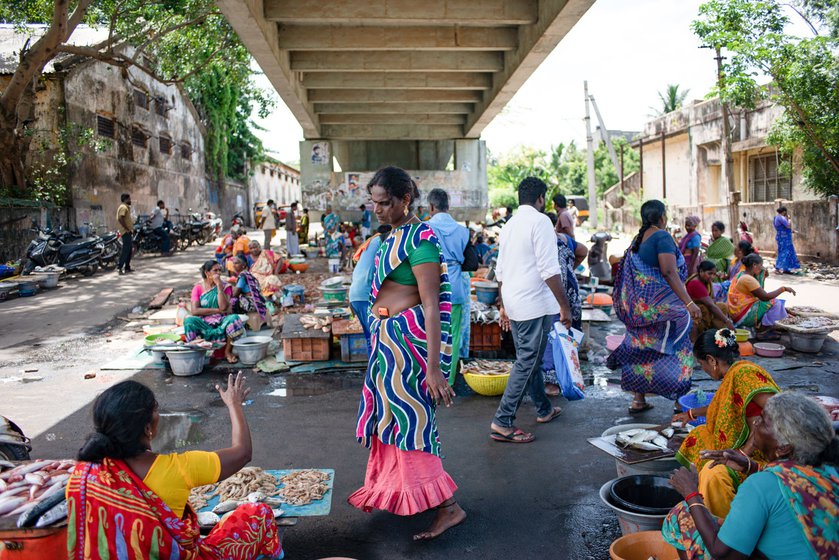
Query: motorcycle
[
  {"x": 597, "y": 263},
  {"x": 81, "y": 255},
  {"x": 147, "y": 240},
  {"x": 111, "y": 241},
  {"x": 216, "y": 224},
  {"x": 14, "y": 446},
  {"x": 198, "y": 229},
  {"x": 238, "y": 219}
]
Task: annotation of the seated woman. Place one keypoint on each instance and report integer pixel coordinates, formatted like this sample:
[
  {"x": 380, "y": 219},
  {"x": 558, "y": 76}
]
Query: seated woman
[
  {"x": 210, "y": 309},
  {"x": 743, "y": 249},
  {"x": 265, "y": 268},
  {"x": 123, "y": 497},
  {"x": 721, "y": 250},
  {"x": 748, "y": 302},
  {"x": 246, "y": 297},
  {"x": 225, "y": 247},
  {"x": 787, "y": 511},
  {"x": 700, "y": 288},
  {"x": 736, "y": 405}
]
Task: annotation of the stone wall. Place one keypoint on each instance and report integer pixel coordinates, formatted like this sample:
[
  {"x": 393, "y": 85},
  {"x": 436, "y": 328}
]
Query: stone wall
[{"x": 16, "y": 224}]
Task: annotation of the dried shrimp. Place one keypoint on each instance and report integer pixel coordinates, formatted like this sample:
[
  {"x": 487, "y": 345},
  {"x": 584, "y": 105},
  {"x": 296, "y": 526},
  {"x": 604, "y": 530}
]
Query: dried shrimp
[{"x": 303, "y": 487}]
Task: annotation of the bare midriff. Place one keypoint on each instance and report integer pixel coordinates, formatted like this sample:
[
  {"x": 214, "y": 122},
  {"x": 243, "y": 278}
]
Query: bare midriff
[{"x": 396, "y": 298}]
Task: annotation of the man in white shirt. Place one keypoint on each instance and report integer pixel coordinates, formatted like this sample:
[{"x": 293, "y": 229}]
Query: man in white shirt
[
  {"x": 269, "y": 223},
  {"x": 531, "y": 293},
  {"x": 156, "y": 221}
]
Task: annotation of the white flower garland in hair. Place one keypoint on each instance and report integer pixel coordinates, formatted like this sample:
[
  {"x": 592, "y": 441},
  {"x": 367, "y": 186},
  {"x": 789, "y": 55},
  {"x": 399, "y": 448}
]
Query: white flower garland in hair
[{"x": 722, "y": 340}]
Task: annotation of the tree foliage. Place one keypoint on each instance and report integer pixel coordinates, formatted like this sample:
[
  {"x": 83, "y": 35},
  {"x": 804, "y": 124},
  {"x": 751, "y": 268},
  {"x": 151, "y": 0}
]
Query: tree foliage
[
  {"x": 754, "y": 37},
  {"x": 563, "y": 168},
  {"x": 176, "y": 41},
  {"x": 671, "y": 98}
]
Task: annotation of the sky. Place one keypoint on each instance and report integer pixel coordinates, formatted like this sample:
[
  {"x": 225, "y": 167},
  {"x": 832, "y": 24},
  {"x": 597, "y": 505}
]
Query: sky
[{"x": 628, "y": 50}]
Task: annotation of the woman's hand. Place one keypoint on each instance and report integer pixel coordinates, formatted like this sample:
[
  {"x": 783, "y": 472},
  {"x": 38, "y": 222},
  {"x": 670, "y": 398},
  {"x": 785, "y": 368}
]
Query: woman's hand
[
  {"x": 685, "y": 481},
  {"x": 236, "y": 392},
  {"x": 789, "y": 290},
  {"x": 682, "y": 417},
  {"x": 437, "y": 385},
  {"x": 730, "y": 324},
  {"x": 695, "y": 312},
  {"x": 728, "y": 457}
]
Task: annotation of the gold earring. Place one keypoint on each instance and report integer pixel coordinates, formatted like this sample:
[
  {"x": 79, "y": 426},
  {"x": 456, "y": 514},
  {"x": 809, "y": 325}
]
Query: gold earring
[{"x": 406, "y": 210}]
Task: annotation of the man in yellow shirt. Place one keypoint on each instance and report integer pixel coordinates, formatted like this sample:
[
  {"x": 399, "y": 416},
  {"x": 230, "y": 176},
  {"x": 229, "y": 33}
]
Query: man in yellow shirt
[{"x": 125, "y": 226}]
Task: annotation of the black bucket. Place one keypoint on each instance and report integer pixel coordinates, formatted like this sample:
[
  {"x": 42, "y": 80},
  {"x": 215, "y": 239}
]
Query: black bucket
[{"x": 644, "y": 493}]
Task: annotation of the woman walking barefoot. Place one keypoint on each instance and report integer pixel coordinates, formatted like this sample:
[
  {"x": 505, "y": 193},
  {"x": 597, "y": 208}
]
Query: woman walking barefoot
[{"x": 407, "y": 374}]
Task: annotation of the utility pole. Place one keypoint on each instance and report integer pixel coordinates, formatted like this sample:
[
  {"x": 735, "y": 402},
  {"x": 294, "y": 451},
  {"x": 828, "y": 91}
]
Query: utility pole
[
  {"x": 604, "y": 133},
  {"x": 592, "y": 186},
  {"x": 726, "y": 157}
]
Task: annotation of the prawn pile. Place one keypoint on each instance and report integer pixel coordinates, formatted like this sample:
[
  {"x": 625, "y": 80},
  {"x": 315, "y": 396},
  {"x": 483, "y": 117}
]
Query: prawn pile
[
  {"x": 488, "y": 367},
  {"x": 303, "y": 487},
  {"x": 236, "y": 489}
]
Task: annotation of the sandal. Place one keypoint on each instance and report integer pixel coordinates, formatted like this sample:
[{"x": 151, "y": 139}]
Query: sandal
[
  {"x": 639, "y": 409},
  {"x": 517, "y": 436},
  {"x": 553, "y": 414}
]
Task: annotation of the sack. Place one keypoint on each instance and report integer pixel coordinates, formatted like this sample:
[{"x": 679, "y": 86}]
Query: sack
[
  {"x": 470, "y": 259},
  {"x": 565, "y": 345}
]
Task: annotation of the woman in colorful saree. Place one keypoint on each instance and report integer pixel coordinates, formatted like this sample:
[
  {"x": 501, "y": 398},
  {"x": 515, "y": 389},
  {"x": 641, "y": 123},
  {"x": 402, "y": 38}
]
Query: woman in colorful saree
[
  {"x": 700, "y": 288},
  {"x": 265, "y": 268},
  {"x": 125, "y": 501},
  {"x": 749, "y": 304},
  {"x": 691, "y": 244},
  {"x": 651, "y": 300},
  {"x": 787, "y": 259},
  {"x": 736, "y": 405},
  {"x": 743, "y": 249},
  {"x": 721, "y": 249},
  {"x": 331, "y": 225},
  {"x": 246, "y": 297},
  {"x": 785, "y": 511},
  {"x": 407, "y": 374},
  {"x": 211, "y": 319}
]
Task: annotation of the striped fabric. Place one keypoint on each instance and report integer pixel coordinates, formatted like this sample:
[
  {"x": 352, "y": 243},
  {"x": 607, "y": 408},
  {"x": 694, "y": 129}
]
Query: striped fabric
[{"x": 395, "y": 404}]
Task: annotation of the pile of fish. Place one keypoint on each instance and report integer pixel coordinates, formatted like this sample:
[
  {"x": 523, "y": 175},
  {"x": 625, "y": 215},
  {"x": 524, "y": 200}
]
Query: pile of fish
[
  {"x": 482, "y": 313},
  {"x": 34, "y": 491},
  {"x": 649, "y": 439},
  {"x": 487, "y": 367},
  {"x": 311, "y": 322}
]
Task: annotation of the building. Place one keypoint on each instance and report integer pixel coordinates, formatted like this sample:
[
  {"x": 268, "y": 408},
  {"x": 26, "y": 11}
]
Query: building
[
  {"x": 681, "y": 159},
  {"x": 274, "y": 180},
  {"x": 150, "y": 139}
]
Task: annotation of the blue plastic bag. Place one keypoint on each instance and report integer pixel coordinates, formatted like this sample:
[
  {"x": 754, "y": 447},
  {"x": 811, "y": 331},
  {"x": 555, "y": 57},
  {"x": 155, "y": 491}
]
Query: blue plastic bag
[{"x": 565, "y": 344}]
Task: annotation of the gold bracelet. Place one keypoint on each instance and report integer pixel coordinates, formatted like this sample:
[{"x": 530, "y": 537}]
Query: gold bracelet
[
  {"x": 690, "y": 414},
  {"x": 700, "y": 504}
]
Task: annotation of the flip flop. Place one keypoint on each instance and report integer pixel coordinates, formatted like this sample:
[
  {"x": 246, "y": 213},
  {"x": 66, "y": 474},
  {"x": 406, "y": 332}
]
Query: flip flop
[
  {"x": 517, "y": 436},
  {"x": 640, "y": 409},
  {"x": 554, "y": 413}
]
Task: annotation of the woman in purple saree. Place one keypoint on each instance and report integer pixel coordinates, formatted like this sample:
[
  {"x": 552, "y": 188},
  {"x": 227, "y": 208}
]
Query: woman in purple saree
[{"x": 787, "y": 260}]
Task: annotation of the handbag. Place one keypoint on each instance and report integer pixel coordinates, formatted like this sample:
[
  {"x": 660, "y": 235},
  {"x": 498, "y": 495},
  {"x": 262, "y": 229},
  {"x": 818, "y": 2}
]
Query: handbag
[{"x": 565, "y": 344}]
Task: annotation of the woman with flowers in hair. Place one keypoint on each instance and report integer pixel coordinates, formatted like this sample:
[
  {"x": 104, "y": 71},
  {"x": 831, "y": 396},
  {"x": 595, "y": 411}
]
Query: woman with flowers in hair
[{"x": 737, "y": 404}]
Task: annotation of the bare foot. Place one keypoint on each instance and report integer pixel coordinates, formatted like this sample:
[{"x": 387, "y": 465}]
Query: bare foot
[
  {"x": 231, "y": 358},
  {"x": 448, "y": 516}
]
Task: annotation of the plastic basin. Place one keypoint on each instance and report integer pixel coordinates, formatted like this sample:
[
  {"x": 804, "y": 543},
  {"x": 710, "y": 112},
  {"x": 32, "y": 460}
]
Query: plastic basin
[
  {"x": 486, "y": 292},
  {"x": 334, "y": 294},
  {"x": 691, "y": 401},
  {"x": 742, "y": 335},
  {"x": 810, "y": 343},
  {"x": 251, "y": 349},
  {"x": 487, "y": 385},
  {"x": 663, "y": 466},
  {"x": 186, "y": 362},
  {"x": 769, "y": 349},
  {"x": 299, "y": 267},
  {"x": 644, "y": 493},
  {"x": 630, "y": 522},
  {"x": 642, "y": 546},
  {"x": 153, "y": 339}
]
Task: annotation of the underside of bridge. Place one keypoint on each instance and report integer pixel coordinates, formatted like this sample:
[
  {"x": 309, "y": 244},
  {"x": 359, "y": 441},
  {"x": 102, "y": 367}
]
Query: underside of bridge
[{"x": 404, "y": 78}]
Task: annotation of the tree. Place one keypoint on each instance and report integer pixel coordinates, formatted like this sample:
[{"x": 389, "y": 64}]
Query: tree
[
  {"x": 671, "y": 99},
  {"x": 175, "y": 41},
  {"x": 804, "y": 73}
]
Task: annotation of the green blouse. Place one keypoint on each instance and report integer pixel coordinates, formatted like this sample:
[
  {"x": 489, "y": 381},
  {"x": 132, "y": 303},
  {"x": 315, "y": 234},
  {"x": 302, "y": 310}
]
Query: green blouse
[{"x": 425, "y": 253}]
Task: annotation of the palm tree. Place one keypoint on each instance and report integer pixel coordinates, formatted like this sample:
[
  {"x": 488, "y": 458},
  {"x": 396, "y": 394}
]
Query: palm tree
[{"x": 671, "y": 100}]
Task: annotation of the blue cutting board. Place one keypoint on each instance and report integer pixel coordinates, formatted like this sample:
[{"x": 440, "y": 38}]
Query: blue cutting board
[{"x": 320, "y": 507}]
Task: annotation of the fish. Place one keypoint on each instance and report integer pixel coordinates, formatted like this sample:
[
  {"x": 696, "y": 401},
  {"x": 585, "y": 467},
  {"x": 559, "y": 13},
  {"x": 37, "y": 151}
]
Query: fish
[
  {"x": 34, "y": 478},
  {"x": 278, "y": 513},
  {"x": 668, "y": 432},
  {"x": 660, "y": 441},
  {"x": 54, "y": 515},
  {"x": 256, "y": 497},
  {"x": 643, "y": 436},
  {"x": 25, "y": 469},
  {"x": 208, "y": 519},
  {"x": 10, "y": 504},
  {"x": 272, "y": 502},
  {"x": 645, "y": 446},
  {"x": 225, "y": 506}
]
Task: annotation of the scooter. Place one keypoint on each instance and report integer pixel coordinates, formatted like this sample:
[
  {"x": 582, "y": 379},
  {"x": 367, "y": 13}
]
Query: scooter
[
  {"x": 198, "y": 229},
  {"x": 111, "y": 241},
  {"x": 14, "y": 446},
  {"x": 597, "y": 263},
  {"x": 216, "y": 224},
  {"x": 75, "y": 256}
]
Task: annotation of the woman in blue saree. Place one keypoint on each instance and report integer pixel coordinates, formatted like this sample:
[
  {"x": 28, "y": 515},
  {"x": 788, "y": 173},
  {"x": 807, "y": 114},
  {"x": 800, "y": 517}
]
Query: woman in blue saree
[
  {"x": 691, "y": 244},
  {"x": 787, "y": 260},
  {"x": 651, "y": 300},
  {"x": 331, "y": 223}
]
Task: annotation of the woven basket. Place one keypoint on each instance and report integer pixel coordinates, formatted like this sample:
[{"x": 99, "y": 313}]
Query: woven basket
[{"x": 487, "y": 385}]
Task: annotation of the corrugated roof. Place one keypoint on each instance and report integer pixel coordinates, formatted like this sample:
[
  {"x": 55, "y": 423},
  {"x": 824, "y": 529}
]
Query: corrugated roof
[{"x": 14, "y": 37}]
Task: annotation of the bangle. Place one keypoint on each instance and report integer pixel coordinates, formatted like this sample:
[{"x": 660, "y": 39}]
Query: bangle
[
  {"x": 693, "y": 495},
  {"x": 697, "y": 504},
  {"x": 690, "y": 414}
]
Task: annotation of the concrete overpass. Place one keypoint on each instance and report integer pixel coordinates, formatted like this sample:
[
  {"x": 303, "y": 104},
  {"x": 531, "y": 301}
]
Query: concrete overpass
[{"x": 404, "y": 82}]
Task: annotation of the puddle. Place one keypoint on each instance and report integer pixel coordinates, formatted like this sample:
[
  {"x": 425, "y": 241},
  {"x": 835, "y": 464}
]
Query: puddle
[
  {"x": 311, "y": 385},
  {"x": 177, "y": 429},
  {"x": 596, "y": 379}
]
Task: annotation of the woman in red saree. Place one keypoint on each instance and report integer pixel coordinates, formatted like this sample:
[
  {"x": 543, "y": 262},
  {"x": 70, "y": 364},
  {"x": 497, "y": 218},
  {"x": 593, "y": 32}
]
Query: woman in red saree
[{"x": 128, "y": 503}]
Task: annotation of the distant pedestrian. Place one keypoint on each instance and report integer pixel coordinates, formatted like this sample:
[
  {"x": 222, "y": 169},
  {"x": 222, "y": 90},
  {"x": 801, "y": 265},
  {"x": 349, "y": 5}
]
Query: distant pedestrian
[
  {"x": 565, "y": 222},
  {"x": 691, "y": 244},
  {"x": 268, "y": 222},
  {"x": 574, "y": 212},
  {"x": 125, "y": 226},
  {"x": 366, "y": 219},
  {"x": 531, "y": 293},
  {"x": 787, "y": 260},
  {"x": 303, "y": 228},
  {"x": 292, "y": 244},
  {"x": 157, "y": 222}
]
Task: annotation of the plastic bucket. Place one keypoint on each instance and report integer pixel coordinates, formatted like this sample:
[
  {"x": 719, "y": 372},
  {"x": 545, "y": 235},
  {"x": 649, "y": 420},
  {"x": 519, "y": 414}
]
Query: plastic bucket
[
  {"x": 645, "y": 493},
  {"x": 642, "y": 546},
  {"x": 631, "y": 522},
  {"x": 186, "y": 362},
  {"x": 486, "y": 292},
  {"x": 27, "y": 289},
  {"x": 334, "y": 294},
  {"x": 656, "y": 466},
  {"x": 47, "y": 279},
  {"x": 691, "y": 401},
  {"x": 334, "y": 266},
  {"x": 251, "y": 349}
]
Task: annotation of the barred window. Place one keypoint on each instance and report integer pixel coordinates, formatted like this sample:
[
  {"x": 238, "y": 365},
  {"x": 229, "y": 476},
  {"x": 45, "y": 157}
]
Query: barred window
[
  {"x": 165, "y": 145},
  {"x": 141, "y": 99},
  {"x": 139, "y": 137},
  {"x": 767, "y": 181},
  {"x": 105, "y": 126},
  {"x": 160, "y": 105},
  {"x": 186, "y": 150}
]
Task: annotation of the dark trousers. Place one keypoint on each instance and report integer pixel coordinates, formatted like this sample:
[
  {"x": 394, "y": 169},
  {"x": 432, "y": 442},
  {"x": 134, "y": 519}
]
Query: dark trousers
[
  {"x": 530, "y": 338},
  {"x": 165, "y": 242},
  {"x": 125, "y": 256}
]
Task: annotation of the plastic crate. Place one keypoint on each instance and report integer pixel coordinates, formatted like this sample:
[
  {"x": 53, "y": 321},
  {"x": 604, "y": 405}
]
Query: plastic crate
[
  {"x": 354, "y": 348},
  {"x": 485, "y": 337},
  {"x": 306, "y": 349}
]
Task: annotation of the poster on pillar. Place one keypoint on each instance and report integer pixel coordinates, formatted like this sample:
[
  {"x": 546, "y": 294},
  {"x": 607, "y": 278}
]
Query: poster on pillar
[{"x": 320, "y": 153}]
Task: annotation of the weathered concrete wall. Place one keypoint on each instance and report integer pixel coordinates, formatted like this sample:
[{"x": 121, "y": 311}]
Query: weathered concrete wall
[
  {"x": 425, "y": 161},
  {"x": 148, "y": 173},
  {"x": 271, "y": 180},
  {"x": 815, "y": 221},
  {"x": 233, "y": 198}
]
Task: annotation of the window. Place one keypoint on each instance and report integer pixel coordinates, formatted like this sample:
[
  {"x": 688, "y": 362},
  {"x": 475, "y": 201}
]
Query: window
[
  {"x": 160, "y": 105},
  {"x": 766, "y": 181},
  {"x": 139, "y": 137},
  {"x": 165, "y": 145},
  {"x": 105, "y": 126},
  {"x": 186, "y": 150},
  {"x": 141, "y": 99},
  {"x": 272, "y": 173}
]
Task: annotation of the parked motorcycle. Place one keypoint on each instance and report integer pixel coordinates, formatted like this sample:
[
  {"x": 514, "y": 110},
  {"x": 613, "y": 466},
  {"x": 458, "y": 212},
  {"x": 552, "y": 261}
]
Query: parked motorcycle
[
  {"x": 198, "y": 229},
  {"x": 111, "y": 241},
  {"x": 597, "y": 261},
  {"x": 14, "y": 446},
  {"x": 81, "y": 255},
  {"x": 216, "y": 224},
  {"x": 147, "y": 240},
  {"x": 238, "y": 219}
]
